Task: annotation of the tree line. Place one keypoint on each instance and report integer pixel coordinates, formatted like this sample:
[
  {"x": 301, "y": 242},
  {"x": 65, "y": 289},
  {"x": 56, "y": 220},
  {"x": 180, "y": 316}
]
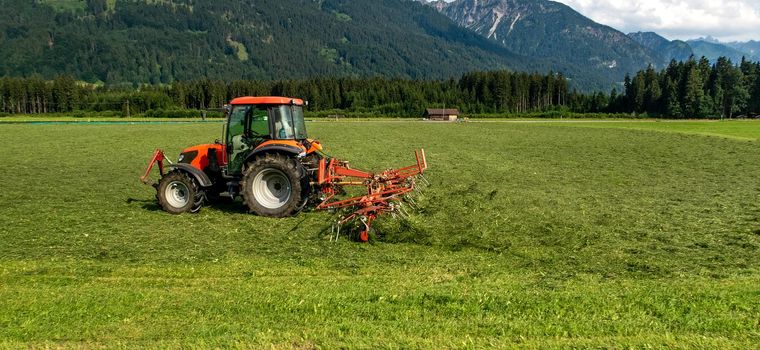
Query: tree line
[
  {"x": 474, "y": 93},
  {"x": 689, "y": 89}
]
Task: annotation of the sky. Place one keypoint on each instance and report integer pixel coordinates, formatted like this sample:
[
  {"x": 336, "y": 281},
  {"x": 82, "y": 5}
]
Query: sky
[{"x": 726, "y": 20}]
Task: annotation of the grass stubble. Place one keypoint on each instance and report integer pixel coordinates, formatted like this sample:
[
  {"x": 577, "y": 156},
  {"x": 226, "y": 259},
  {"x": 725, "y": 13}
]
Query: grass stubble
[{"x": 534, "y": 235}]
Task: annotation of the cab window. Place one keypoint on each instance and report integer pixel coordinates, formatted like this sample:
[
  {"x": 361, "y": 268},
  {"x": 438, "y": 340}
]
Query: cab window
[
  {"x": 259, "y": 122},
  {"x": 283, "y": 123},
  {"x": 299, "y": 123},
  {"x": 237, "y": 121}
]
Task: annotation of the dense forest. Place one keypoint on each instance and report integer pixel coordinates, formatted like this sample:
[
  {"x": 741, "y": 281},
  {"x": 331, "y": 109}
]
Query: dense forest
[
  {"x": 690, "y": 89},
  {"x": 161, "y": 42},
  {"x": 478, "y": 92}
]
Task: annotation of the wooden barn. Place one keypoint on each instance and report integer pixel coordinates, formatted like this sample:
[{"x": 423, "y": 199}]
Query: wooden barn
[{"x": 448, "y": 114}]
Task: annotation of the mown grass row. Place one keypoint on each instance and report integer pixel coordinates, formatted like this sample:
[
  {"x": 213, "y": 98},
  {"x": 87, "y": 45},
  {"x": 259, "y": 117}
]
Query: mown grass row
[{"x": 533, "y": 234}]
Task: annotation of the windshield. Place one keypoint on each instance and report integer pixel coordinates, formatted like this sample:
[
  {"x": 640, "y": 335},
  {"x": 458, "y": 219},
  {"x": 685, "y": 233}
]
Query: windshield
[{"x": 289, "y": 122}]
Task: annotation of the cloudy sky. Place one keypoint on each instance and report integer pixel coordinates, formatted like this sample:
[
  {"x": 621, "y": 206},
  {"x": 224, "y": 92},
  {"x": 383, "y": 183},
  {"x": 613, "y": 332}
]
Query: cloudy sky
[{"x": 727, "y": 20}]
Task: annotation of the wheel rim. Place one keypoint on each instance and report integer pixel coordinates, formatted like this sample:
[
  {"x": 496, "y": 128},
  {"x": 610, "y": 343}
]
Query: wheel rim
[
  {"x": 271, "y": 188},
  {"x": 177, "y": 194}
]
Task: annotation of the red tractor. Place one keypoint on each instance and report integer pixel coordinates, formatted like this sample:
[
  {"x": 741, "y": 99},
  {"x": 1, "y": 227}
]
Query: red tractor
[{"x": 267, "y": 159}]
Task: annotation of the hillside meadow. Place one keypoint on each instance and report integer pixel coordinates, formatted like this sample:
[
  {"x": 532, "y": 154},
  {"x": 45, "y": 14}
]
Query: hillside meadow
[{"x": 530, "y": 234}]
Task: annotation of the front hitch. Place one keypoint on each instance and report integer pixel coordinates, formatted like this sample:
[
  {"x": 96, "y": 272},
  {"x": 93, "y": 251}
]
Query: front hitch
[{"x": 158, "y": 158}]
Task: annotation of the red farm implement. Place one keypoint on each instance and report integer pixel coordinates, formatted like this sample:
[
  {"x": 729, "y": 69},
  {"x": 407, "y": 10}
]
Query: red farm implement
[{"x": 266, "y": 159}]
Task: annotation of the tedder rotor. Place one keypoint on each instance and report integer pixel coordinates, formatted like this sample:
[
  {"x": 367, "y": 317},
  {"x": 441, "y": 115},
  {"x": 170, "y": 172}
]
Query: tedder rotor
[{"x": 267, "y": 159}]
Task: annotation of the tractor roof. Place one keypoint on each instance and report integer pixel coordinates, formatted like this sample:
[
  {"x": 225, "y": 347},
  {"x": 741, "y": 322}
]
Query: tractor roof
[{"x": 266, "y": 100}]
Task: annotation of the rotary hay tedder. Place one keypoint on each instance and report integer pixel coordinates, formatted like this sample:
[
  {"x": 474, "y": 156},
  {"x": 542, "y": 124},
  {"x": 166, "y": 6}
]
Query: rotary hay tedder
[{"x": 267, "y": 159}]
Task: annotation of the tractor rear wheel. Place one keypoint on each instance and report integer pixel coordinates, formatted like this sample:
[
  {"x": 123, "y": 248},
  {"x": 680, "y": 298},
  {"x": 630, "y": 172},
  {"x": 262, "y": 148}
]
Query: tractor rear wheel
[
  {"x": 273, "y": 186},
  {"x": 179, "y": 193}
]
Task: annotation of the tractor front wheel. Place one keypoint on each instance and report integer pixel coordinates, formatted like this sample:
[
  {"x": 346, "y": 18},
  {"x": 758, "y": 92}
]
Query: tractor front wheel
[
  {"x": 272, "y": 186},
  {"x": 179, "y": 193}
]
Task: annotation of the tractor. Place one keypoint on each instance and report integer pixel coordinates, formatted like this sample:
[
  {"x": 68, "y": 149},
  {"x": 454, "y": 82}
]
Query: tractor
[{"x": 266, "y": 158}]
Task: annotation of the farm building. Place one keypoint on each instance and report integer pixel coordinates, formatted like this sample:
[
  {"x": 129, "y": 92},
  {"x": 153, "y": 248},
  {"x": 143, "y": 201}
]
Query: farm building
[{"x": 450, "y": 114}]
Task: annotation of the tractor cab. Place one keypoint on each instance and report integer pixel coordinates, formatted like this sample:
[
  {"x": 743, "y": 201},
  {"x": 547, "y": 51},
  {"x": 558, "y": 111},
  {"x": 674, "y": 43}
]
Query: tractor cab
[{"x": 259, "y": 123}]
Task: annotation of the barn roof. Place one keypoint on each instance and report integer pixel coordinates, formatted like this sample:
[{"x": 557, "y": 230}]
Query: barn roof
[{"x": 441, "y": 111}]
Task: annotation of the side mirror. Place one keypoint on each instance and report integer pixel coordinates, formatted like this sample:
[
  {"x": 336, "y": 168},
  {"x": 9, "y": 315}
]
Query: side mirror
[
  {"x": 227, "y": 109},
  {"x": 306, "y": 103}
]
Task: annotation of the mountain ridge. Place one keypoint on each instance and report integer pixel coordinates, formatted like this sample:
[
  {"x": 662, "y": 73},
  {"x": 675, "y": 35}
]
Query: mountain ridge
[
  {"x": 553, "y": 31},
  {"x": 157, "y": 42},
  {"x": 669, "y": 50}
]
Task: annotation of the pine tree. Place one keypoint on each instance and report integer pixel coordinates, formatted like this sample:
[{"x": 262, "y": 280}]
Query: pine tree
[
  {"x": 628, "y": 93},
  {"x": 693, "y": 97},
  {"x": 65, "y": 96},
  {"x": 671, "y": 99},
  {"x": 638, "y": 87},
  {"x": 754, "y": 101},
  {"x": 652, "y": 92}
]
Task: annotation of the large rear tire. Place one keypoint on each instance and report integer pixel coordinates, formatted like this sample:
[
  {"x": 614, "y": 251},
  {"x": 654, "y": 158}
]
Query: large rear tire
[
  {"x": 272, "y": 186},
  {"x": 179, "y": 193}
]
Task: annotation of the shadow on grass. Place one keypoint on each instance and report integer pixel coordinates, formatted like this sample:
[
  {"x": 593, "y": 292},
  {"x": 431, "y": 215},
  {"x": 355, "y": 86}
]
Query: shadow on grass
[
  {"x": 227, "y": 205},
  {"x": 150, "y": 205},
  {"x": 224, "y": 205}
]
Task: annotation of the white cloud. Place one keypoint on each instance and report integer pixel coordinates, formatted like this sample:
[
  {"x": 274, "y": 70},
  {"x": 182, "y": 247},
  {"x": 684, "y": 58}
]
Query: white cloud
[{"x": 726, "y": 20}]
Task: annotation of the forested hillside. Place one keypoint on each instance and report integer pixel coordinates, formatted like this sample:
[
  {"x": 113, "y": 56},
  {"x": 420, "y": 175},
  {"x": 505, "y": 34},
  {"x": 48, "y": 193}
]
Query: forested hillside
[
  {"x": 669, "y": 50},
  {"x": 159, "y": 42},
  {"x": 712, "y": 50}
]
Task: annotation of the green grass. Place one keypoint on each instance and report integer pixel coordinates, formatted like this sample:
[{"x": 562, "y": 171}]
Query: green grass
[
  {"x": 66, "y": 119},
  {"x": 739, "y": 129},
  {"x": 538, "y": 235}
]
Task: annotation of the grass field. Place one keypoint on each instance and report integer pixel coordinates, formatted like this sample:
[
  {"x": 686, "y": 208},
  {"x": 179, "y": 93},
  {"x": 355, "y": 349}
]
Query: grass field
[
  {"x": 737, "y": 129},
  {"x": 536, "y": 235}
]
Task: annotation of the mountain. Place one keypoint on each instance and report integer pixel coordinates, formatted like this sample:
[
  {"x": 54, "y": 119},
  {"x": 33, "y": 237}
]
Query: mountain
[
  {"x": 751, "y": 48},
  {"x": 708, "y": 47},
  {"x": 712, "y": 49},
  {"x": 669, "y": 50},
  {"x": 149, "y": 41},
  {"x": 550, "y": 30}
]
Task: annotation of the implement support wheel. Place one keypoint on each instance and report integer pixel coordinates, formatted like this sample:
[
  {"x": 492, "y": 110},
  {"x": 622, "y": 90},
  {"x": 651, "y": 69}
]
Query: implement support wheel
[{"x": 179, "y": 193}]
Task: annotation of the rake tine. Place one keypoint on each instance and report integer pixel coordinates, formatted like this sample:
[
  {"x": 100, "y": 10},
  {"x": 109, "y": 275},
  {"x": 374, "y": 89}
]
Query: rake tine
[
  {"x": 424, "y": 179},
  {"x": 403, "y": 212},
  {"x": 397, "y": 212}
]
